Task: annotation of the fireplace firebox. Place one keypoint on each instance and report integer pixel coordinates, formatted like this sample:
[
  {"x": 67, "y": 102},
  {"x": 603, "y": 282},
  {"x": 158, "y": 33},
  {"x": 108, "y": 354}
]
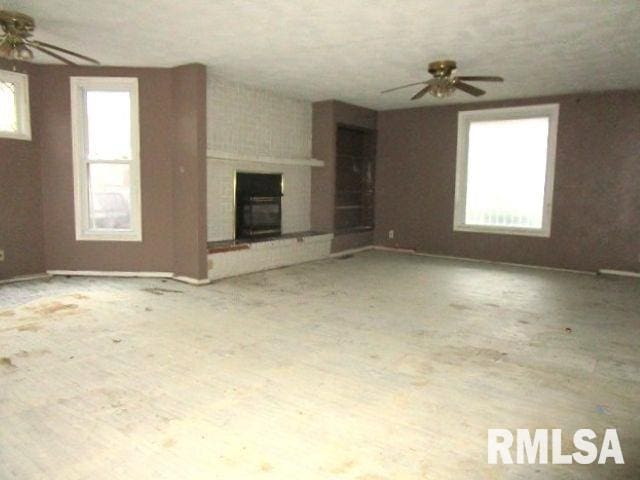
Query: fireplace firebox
[{"x": 258, "y": 205}]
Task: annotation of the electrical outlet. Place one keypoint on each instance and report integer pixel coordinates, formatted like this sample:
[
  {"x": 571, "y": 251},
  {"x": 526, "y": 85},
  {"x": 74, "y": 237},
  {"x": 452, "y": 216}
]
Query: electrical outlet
[
  {"x": 1, "y": 255},
  {"x": 391, "y": 234}
]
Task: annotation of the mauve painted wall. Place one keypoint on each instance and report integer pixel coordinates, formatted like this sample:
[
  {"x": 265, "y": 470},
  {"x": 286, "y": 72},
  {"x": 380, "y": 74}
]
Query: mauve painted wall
[
  {"x": 323, "y": 147},
  {"x": 62, "y": 250},
  {"x": 190, "y": 171},
  {"x": 21, "y": 234},
  {"x": 172, "y": 162},
  {"x": 596, "y": 203},
  {"x": 327, "y": 115}
]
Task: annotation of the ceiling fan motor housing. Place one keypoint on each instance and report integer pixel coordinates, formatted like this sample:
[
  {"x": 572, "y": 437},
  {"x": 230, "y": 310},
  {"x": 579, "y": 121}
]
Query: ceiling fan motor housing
[
  {"x": 16, "y": 42},
  {"x": 442, "y": 68},
  {"x": 16, "y": 23}
]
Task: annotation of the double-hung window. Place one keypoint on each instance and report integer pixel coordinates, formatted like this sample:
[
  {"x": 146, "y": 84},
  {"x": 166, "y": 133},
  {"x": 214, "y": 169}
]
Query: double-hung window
[
  {"x": 106, "y": 152},
  {"x": 505, "y": 168},
  {"x": 14, "y": 106}
]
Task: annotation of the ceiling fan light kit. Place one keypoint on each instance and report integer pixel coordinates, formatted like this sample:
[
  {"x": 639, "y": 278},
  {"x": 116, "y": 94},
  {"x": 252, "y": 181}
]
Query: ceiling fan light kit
[
  {"x": 441, "y": 87},
  {"x": 444, "y": 84},
  {"x": 16, "y": 42}
]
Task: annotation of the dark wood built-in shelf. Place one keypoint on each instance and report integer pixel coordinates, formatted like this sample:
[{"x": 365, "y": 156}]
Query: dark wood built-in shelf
[{"x": 355, "y": 179}]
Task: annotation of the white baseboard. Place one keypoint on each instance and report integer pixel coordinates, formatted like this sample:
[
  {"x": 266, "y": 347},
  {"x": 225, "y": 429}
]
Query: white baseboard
[
  {"x": 479, "y": 260},
  {"x": 25, "y": 278},
  {"x": 397, "y": 250},
  {"x": 206, "y": 281},
  {"x": 191, "y": 281},
  {"x": 351, "y": 251},
  {"x": 620, "y": 273},
  {"x": 100, "y": 273}
]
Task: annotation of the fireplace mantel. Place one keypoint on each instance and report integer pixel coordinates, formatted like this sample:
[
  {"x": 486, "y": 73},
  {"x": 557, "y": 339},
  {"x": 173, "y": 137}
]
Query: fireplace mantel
[{"x": 226, "y": 156}]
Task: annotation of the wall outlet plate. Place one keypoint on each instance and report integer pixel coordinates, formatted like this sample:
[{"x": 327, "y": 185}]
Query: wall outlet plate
[
  {"x": 391, "y": 234},
  {"x": 1, "y": 255}
]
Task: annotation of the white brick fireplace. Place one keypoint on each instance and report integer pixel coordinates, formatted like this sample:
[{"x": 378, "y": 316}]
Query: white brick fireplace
[{"x": 251, "y": 130}]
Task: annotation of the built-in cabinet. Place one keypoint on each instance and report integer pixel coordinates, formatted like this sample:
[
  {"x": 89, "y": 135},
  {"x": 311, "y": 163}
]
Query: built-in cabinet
[{"x": 355, "y": 179}]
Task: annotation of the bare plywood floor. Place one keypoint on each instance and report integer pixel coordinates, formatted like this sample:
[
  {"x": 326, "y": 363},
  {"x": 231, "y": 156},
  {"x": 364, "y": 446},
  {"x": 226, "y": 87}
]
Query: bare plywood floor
[{"x": 380, "y": 366}]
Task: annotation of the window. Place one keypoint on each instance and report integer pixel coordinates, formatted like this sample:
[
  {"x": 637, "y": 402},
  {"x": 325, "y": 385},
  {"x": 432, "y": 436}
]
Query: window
[
  {"x": 106, "y": 155},
  {"x": 14, "y": 106},
  {"x": 505, "y": 166}
]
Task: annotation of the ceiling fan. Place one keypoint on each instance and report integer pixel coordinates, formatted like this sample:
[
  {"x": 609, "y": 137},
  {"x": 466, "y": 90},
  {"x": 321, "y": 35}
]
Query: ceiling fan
[
  {"x": 444, "y": 84},
  {"x": 16, "y": 42}
]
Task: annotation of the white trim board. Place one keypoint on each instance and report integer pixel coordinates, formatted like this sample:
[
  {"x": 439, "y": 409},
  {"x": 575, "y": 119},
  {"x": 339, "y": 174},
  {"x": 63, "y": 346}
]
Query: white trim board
[
  {"x": 619, "y": 273},
  {"x": 26, "y": 278},
  {"x": 191, "y": 281},
  {"x": 301, "y": 162},
  {"x": 351, "y": 251},
  {"x": 408, "y": 251},
  {"x": 480, "y": 260},
  {"x": 98, "y": 273}
]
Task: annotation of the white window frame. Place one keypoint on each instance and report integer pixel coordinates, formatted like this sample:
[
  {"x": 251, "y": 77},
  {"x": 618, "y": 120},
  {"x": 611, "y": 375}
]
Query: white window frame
[
  {"x": 465, "y": 118},
  {"x": 21, "y": 81},
  {"x": 79, "y": 86}
]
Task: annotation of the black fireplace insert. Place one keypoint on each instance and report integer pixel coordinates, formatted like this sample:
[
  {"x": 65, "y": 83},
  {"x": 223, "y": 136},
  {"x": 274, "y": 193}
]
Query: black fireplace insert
[{"x": 258, "y": 205}]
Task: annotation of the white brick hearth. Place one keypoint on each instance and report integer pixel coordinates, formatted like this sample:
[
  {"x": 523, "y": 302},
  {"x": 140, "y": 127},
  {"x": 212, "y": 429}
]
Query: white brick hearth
[{"x": 267, "y": 255}]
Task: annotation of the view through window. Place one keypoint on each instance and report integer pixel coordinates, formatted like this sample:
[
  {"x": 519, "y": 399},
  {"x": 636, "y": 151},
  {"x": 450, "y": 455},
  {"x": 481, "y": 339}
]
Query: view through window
[
  {"x": 106, "y": 158},
  {"x": 8, "y": 110},
  {"x": 505, "y": 171},
  {"x": 14, "y": 106}
]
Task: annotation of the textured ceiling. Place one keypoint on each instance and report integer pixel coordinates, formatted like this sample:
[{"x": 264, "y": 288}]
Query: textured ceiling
[{"x": 350, "y": 50}]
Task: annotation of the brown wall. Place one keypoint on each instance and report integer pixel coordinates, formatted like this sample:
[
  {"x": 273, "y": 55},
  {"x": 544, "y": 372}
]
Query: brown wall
[
  {"x": 190, "y": 171},
  {"x": 63, "y": 251},
  {"x": 173, "y": 189},
  {"x": 596, "y": 203},
  {"x": 596, "y": 214},
  {"x": 323, "y": 147},
  {"x": 21, "y": 234},
  {"x": 327, "y": 116}
]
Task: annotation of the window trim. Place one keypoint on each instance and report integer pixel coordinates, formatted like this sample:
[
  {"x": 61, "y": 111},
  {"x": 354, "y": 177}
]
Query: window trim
[
  {"x": 23, "y": 113},
  {"x": 80, "y": 176},
  {"x": 551, "y": 111}
]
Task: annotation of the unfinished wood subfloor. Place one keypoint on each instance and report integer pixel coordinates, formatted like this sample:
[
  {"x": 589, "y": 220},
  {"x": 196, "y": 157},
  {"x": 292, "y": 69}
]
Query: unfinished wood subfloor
[{"x": 379, "y": 366}]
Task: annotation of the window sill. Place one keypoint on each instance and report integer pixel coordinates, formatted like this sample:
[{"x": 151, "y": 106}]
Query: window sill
[
  {"x": 15, "y": 136},
  {"x": 523, "y": 232},
  {"x": 109, "y": 237}
]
